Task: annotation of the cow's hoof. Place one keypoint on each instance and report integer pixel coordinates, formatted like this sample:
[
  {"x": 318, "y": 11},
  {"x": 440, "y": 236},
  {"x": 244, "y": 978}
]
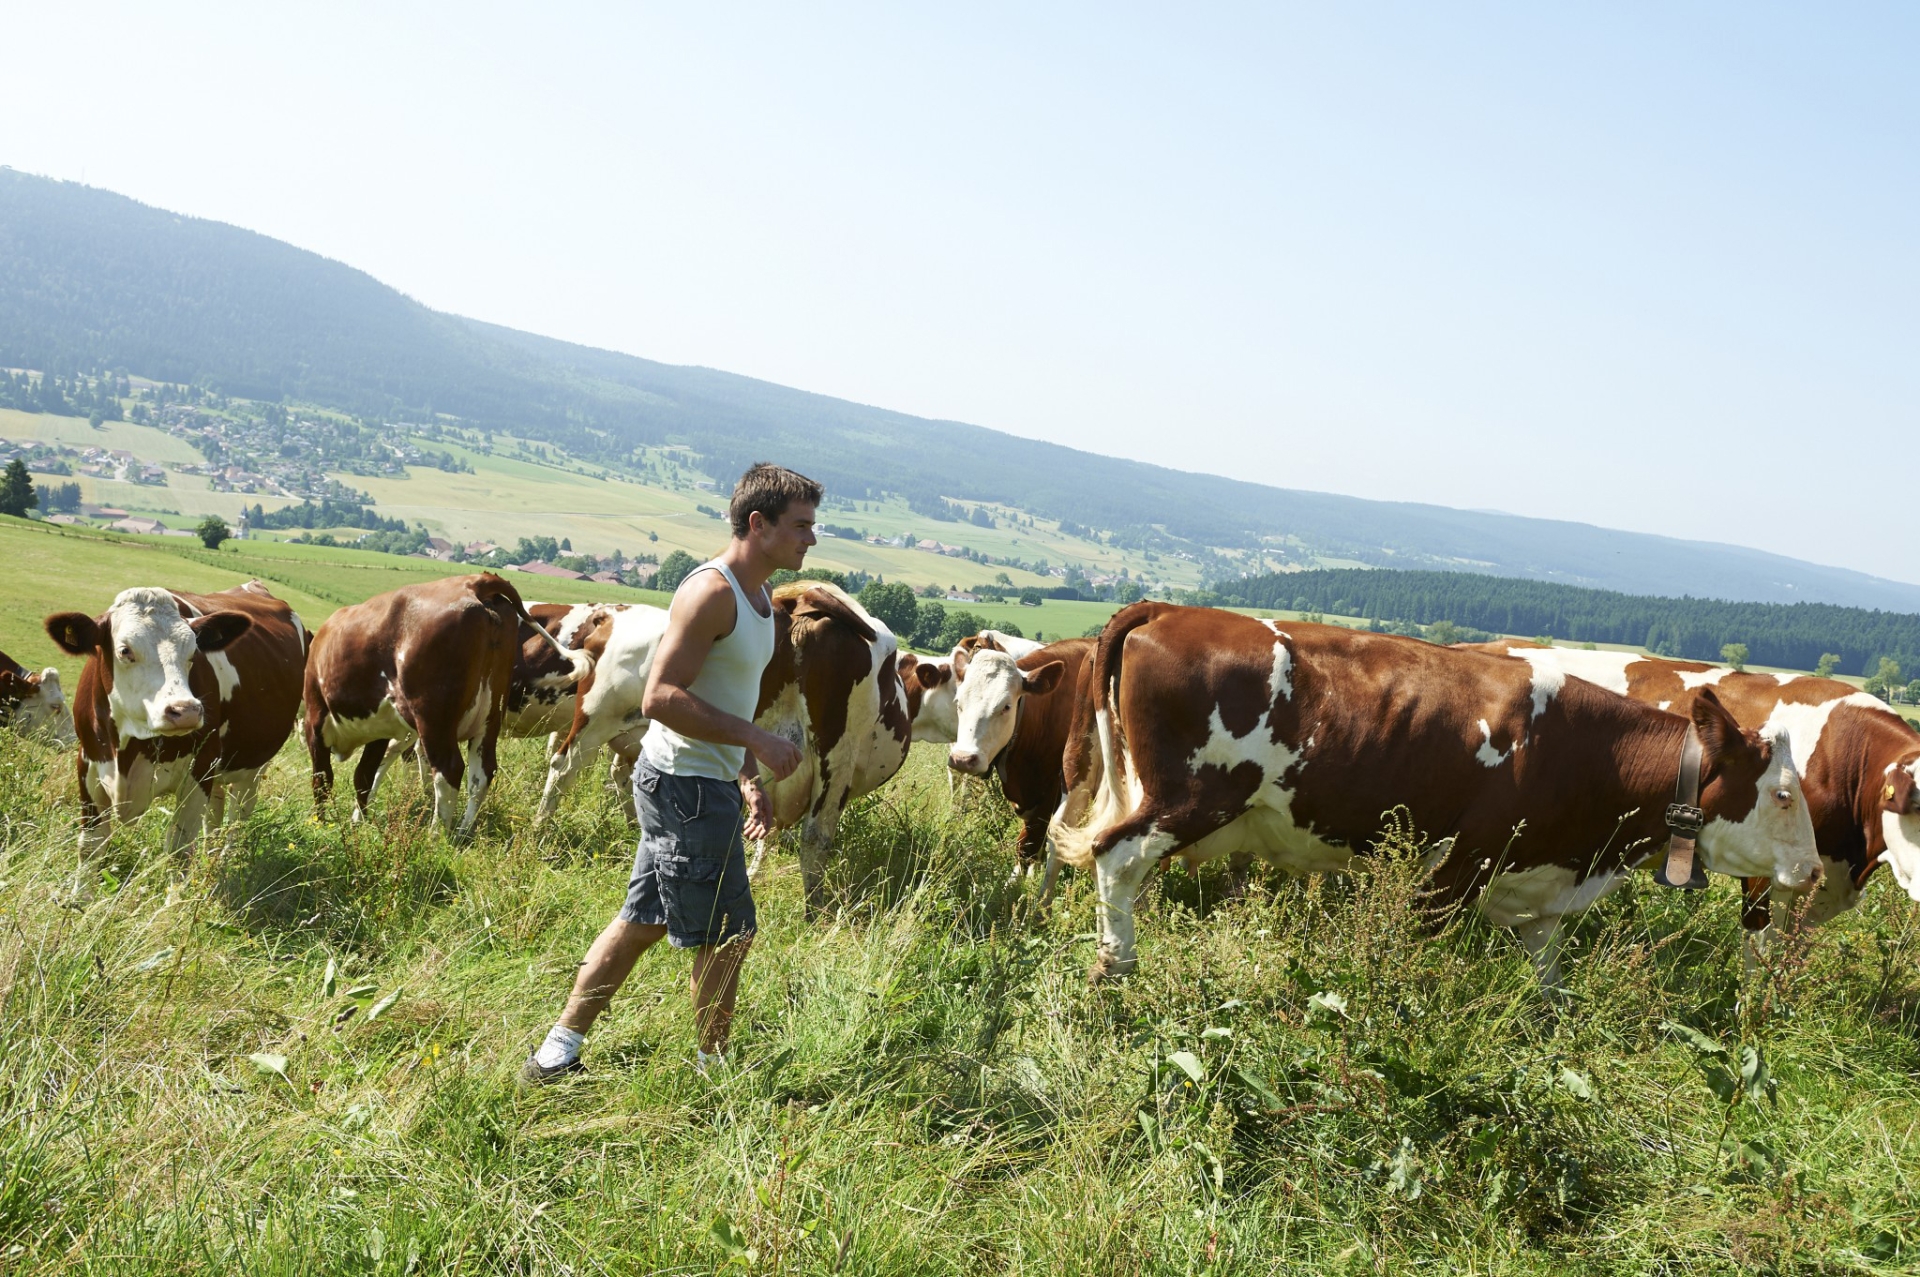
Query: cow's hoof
[{"x": 1109, "y": 967}]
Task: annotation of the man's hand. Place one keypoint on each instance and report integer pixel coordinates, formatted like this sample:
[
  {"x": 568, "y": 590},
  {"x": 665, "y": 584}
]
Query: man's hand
[
  {"x": 759, "y": 810},
  {"x": 776, "y": 753}
]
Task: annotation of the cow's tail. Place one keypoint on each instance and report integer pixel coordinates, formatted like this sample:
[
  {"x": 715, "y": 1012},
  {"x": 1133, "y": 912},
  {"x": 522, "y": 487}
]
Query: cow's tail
[
  {"x": 490, "y": 587},
  {"x": 1115, "y": 793}
]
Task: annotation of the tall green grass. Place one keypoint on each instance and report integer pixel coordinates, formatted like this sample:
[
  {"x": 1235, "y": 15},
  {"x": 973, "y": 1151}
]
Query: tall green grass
[{"x": 1296, "y": 1079}]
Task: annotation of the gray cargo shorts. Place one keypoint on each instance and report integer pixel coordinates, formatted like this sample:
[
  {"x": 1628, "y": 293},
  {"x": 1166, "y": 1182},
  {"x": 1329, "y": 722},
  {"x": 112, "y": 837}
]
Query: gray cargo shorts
[{"x": 690, "y": 874}]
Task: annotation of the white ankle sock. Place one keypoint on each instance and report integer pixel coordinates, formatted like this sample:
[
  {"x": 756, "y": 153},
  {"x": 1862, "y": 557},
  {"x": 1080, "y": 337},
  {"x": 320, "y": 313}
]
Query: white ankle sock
[
  {"x": 562, "y": 1045},
  {"x": 703, "y": 1061}
]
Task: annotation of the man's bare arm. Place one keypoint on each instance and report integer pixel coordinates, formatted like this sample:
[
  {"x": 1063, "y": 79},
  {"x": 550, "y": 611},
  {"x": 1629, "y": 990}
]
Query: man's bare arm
[{"x": 705, "y": 613}]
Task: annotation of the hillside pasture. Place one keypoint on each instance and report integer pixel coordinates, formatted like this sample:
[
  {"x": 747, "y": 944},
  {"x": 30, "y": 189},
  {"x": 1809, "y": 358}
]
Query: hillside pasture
[
  {"x": 297, "y": 1055},
  {"x": 51, "y": 568},
  {"x": 1297, "y": 1080}
]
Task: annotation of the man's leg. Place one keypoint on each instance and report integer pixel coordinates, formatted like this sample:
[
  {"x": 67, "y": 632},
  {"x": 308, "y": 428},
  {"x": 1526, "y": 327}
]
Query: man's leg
[
  {"x": 608, "y": 964},
  {"x": 635, "y": 929},
  {"x": 716, "y": 981}
]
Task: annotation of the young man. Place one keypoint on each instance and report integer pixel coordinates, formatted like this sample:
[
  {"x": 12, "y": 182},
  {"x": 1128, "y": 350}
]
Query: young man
[{"x": 697, "y": 772}]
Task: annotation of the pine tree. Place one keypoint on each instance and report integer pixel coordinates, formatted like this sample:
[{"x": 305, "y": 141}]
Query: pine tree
[{"x": 16, "y": 490}]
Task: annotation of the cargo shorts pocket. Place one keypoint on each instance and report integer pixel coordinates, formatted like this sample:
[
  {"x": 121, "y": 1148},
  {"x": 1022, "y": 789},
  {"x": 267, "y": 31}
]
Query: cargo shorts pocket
[{"x": 682, "y": 863}]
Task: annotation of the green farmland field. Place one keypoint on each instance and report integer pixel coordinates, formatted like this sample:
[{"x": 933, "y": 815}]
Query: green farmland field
[
  {"x": 1296, "y": 1080},
  {"x": 63, "y": 569}
]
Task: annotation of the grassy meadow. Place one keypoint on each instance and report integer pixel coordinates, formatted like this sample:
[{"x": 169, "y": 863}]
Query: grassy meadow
[
  {"x": 51, "y": 568},
  {"x": 296, "y": 1052}
]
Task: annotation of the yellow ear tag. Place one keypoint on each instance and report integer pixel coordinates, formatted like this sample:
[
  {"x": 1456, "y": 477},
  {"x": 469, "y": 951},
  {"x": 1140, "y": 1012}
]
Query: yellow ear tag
[{"x": 1886, "y": 795}]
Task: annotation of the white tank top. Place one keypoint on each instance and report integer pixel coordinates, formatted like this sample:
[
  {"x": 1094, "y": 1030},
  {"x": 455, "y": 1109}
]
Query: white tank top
[{"x": 729, "y": 681}]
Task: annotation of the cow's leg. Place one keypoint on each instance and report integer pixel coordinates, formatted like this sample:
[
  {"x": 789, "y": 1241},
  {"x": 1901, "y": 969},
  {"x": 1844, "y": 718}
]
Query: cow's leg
[
  {"x": 562, "y": 767},
  {"x": 1119, "y": 872},
  {"x": 442, "y": 753},
  {"x": 1758, "y": 918},
  {"x": 1033, "y": 845},
  {"x": 481, "y": 763},
  {"x": 189, "y": 814},
  {"x": 320, "y": 761},
  {"x": 243, "y": 788},
  {"x": 1541, "y": 937},
  {"x": 96, "y": 823},
  {"x": 366, "y": 776},
  {"x": 620, "y": 773},
  {"x": 816, "y": 837},
  {"x": 216, "y": 804}
]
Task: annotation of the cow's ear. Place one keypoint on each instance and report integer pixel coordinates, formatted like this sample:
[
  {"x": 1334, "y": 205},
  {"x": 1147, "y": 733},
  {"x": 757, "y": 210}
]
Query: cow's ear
[
  {"x": 1902, "y": 794},
  {"x": 1046, "y": 678},
  {"x": 931, "y": 674},
  {"x": 959, "y": 664},
  {"x": 217, "y": 629},
  {"x": 1720, "y": 735},
  {"x": 76, "y": 633},
  {"x": 50, "y": 677},
  {"x": 15, "y": 685}
]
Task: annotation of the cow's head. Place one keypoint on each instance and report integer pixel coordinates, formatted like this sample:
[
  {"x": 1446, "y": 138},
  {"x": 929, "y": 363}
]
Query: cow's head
[
  {"x": 145, "y": 644},
  {"x": 930, "y": 688},
  {"x": 34, "y": 706},
  {"x": 987, "y": 705},
  {"x": 1757, "y": 820},
  {"x": 1900, "y": 821}
]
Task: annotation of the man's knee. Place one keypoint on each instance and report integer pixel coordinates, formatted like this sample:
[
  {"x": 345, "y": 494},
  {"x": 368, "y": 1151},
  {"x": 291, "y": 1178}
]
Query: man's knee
[{"x": 640, "y": 933}]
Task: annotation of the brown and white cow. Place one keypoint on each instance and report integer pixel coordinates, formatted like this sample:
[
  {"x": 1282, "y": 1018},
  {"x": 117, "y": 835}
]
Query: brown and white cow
[
  {"x": 546, "y": 685},
  {"x": 622, "y": 640},
  {"x": 1218, "y": 733},
  {"x": 427, "y": 665},
  {"x": 930, "y": 689},
  {"x": 32, "y": 705},
  {"x": 1016, "y": 718},
  {"x": 832, "y": 688},
  {"x": 1859, "y": 762},
  {"x": 998, "y": 641},
  {"x": 184, "y": 694}
]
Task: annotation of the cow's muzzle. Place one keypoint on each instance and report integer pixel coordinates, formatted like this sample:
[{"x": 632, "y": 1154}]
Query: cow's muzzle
[
  {"x": 968, "y": 761},
  {"x": 180, "y": 717}
]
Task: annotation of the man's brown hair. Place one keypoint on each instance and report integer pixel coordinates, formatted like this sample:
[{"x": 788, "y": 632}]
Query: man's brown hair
[{"x": 768, "y": 489}]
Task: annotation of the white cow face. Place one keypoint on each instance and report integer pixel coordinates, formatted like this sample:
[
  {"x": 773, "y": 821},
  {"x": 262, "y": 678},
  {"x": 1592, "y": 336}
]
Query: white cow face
[
  {"x": 934, "y": 720},
  {"x": 1774, "y": 837},
  {"x": 146, "y": 644},
  {"x": 1900, "y": 822},
  {"x": 987, "y": 705},
  {"x": 34, "y": 706}
]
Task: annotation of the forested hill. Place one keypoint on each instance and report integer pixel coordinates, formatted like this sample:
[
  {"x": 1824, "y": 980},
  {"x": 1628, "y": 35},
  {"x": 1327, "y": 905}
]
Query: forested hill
[
  {"x": 90, "y": 280},
  {"x": 1794, "y": 635}
]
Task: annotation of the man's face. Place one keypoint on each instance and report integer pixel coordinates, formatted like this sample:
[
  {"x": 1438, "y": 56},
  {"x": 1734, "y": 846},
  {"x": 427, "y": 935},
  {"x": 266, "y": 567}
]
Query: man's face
[{"x": 786, "y": 540}]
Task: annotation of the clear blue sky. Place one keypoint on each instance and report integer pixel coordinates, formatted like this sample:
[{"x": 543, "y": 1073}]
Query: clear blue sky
[{"x": 1653, "y": 267}]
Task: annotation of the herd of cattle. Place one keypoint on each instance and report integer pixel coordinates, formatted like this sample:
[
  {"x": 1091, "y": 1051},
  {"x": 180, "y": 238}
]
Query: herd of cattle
[{"x": 1541, "y": 777}]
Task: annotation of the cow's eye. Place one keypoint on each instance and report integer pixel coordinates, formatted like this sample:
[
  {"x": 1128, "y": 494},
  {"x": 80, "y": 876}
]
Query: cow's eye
[
  {"x": 1005, "y": 708},
  {"x": 126, "y": 653},
  {"x": 1784, "y": 797}
]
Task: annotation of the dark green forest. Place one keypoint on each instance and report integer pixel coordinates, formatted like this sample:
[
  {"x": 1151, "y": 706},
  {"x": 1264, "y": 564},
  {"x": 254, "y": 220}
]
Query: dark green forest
[
  {"x": 1792, "y": 635},
  {"x": 92, "y": 281},
  {"x": 327, "y": 513}
]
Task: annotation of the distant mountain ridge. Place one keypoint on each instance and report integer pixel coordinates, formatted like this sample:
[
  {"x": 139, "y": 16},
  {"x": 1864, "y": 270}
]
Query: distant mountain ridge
[{"x": 90, "y": 279}]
